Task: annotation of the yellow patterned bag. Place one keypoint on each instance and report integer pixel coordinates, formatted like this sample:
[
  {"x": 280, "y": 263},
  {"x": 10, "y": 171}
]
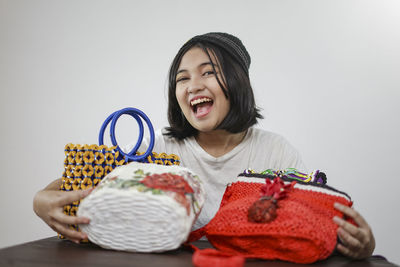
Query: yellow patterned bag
[{"x": 86, "y": 165}]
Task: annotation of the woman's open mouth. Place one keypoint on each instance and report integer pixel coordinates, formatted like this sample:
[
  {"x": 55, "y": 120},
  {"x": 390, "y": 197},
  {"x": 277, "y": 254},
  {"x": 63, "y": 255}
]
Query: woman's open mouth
[{"x": 201, "y": 106}]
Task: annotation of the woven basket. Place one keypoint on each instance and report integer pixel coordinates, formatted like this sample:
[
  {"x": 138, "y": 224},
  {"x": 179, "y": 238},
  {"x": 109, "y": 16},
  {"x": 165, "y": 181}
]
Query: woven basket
[{"x": 143, "y": 208}]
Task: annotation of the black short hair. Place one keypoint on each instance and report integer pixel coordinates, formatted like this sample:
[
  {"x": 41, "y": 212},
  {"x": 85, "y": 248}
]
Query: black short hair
[{"x": 243, "y": 112}]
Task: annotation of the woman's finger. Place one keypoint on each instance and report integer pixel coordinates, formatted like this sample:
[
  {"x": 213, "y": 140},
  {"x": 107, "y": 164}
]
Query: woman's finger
[
  {"x": 69, "y": 233},
  {"x": 67, "y": 219},
  {"x": 346, "y": 225},
  {"x": 353, "y": 230},
  {"x": 346, "y": 251},
  {"x": 348, "y": 240},
  {"x": 65, "y": 198},
  {"x": 352, "y": 213}
]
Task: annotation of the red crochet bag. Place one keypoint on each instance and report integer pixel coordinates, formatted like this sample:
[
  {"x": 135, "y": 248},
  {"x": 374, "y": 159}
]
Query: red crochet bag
[{"x": 275, "y": 216}]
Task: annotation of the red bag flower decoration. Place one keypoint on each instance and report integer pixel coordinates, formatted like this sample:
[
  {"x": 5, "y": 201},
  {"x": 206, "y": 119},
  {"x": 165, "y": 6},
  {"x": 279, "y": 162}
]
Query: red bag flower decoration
[{"x": 264, "y": 209}]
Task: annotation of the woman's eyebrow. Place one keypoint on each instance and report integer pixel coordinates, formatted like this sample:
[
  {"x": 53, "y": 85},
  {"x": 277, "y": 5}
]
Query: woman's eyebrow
[
  {"x": 208, "y": 63},
  {"x": 180, "y": 71},
  {"x": 201, "y": 65}
]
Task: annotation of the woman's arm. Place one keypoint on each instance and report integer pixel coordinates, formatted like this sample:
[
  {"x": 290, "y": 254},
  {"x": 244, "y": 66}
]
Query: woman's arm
[
  {"x": 48, "y": 205},
  {"x": 358, "y": 242}
]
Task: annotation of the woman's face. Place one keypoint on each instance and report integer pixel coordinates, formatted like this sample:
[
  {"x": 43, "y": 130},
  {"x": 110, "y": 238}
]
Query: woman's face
[{"x": 198, "y": 92}]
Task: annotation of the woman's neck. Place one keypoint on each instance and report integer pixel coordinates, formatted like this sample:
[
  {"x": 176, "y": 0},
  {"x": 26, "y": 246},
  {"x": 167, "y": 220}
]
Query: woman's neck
[{"x": 219, "y": 142}]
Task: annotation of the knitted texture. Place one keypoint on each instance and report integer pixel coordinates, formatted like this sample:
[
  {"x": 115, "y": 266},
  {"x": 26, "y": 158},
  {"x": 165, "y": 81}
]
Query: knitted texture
[
  {"x": 302, "y": 232},
  {"x": 211, "y": 257},
  {"x": 86, "y": 165},
  {"x": 229, "y": 43},
  {"x": 143, "y": 207}
]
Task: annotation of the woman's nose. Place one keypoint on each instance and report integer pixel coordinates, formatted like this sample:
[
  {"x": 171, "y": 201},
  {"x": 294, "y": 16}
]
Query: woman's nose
[{"x": 195, "y": 85}]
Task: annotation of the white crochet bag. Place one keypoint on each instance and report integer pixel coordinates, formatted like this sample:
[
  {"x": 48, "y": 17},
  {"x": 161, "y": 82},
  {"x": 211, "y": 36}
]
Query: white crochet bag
[{"x": 143, "y": 207}]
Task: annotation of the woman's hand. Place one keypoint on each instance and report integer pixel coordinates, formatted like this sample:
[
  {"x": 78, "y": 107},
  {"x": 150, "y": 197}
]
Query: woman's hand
[
  {"x": 48, "y": 205},
  {"x": 357, "y": 242}
]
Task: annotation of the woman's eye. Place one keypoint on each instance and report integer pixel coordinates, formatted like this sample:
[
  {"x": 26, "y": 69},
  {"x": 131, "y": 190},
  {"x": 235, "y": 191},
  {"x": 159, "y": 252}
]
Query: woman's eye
[
  {"x": 180, "y": 79},
  {"x": 208, "y": 73}
]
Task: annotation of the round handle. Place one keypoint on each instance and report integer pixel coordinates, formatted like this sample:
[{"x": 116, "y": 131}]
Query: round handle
[{"x": 138, "y": 115}]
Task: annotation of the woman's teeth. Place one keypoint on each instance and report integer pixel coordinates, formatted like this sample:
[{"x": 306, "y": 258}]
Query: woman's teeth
[{"x": 200, "y": 100}]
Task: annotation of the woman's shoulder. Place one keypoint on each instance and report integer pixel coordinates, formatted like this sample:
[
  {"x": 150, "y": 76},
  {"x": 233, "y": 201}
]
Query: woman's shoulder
[
  {"x": 161, "y": 135},
  {"x": 261, "y": 135},
  {"x": 164, "y": 142}
]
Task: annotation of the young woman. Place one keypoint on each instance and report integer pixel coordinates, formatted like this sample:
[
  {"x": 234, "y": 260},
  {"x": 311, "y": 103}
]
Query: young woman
[{"x": 212, "y": 112}]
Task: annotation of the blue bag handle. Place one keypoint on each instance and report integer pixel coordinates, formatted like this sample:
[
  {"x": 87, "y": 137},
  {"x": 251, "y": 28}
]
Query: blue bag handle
[{"x": 138, "y": 115}]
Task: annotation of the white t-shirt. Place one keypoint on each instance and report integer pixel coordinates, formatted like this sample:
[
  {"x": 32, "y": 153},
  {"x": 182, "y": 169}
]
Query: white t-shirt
[{"x": 259, "y": 150}]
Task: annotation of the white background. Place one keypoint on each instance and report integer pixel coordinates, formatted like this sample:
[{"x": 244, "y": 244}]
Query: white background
[{"x": 326, "y": 74}]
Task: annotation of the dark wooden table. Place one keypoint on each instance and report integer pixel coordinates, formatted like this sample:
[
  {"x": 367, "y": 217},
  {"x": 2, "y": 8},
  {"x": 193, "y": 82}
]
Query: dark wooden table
[{"x": 54, "y": 252}]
